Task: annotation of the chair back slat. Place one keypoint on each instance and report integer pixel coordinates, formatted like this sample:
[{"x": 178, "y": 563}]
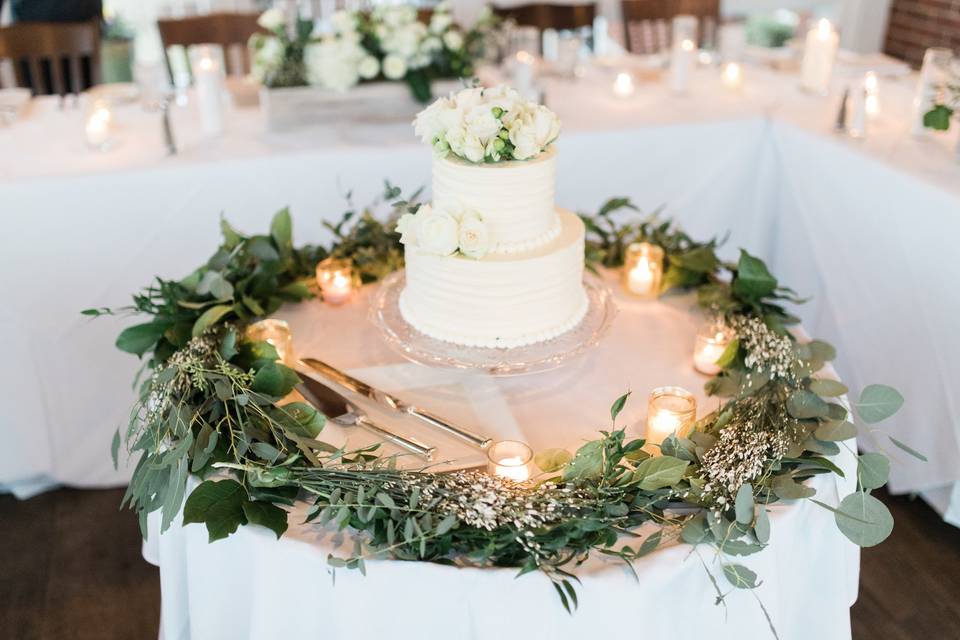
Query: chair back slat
[
  {"x": 224, "y": 29},
  {"x": 647, "y": 22},
  {"x": 38, "y": 47},
  {"x": 550, "y": 16}
]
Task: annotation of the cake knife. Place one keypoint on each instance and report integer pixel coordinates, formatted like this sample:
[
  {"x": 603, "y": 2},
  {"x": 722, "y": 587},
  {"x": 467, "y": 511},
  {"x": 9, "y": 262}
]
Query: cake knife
[
  {"x": 342, "y": 412},
  {"x": 381, "y": 397}
]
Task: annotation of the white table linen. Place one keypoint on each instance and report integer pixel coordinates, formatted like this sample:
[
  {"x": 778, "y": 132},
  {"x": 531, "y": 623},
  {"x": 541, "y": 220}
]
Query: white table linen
[
  {"x": 828, "y": 213},
  {"x": 253, "y": 586}
]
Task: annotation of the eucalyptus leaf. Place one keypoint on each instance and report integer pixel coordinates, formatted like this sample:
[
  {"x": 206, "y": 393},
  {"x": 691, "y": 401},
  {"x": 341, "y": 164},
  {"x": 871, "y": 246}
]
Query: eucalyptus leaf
[
  {"x": 863, "y": 519},
  {"x": 753, "y": 281},
  {"x": 219, "y": 505},
  {"x": 827, "y": 387},
  {"x": 210, "y": 317},
  {"x": 743, "y": 504},
  {"x": 550, "y": 460},
  {"x": 803, "y": 404},
  {"x": 618, "y": 406},
  {"x": 878, "y": 402},
  {"x": 739, "y": 576},
  {"x": 836, "y": 431},
  {"x": 786, "y": 488},
  {"x": 659, "y": 472},
  {"x": 916, "y": 454},
  {"x": 873, "y": 470},
  {"x": 587, "y": 463}
]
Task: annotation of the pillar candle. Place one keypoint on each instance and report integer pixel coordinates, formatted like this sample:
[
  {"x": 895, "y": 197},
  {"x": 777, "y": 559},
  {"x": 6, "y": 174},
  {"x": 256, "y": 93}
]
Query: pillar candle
[{"x": 818, "y": 55}]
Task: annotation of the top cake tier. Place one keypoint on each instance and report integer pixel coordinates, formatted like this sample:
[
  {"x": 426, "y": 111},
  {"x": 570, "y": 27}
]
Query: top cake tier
[{"x": 515, "y": 199}]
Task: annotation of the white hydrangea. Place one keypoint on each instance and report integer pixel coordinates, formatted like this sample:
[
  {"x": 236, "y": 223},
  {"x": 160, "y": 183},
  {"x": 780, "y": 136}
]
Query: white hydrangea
[
  {"x": 394, "y": 67},
  {"x": 453, "y": 39},
  {"x": 272, "y": 19},
  {"x": 334, "y": 63},
  {"x": 368, "y": 68}
]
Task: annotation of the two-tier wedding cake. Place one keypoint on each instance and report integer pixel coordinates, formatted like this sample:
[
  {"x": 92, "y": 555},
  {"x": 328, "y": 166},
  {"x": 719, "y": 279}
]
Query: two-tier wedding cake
[{"x": 492, "y": 262}]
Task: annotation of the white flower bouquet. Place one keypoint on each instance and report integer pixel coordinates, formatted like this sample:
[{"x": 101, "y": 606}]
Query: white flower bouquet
[
  {"x": 487, "y": 125},
  {"x": 391, "y": 42}
]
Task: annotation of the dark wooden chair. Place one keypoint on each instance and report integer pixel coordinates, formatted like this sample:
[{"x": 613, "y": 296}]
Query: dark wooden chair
[
  {"x": 647, "y": 22},
  {"x": 53, "y": 57},
  {"x": 550, "y": 16},
  {"x": 229, "y": 30}
]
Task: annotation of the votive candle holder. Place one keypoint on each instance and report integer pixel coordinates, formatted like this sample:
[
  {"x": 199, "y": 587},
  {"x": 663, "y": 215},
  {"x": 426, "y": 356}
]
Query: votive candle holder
[
  {"x": 335, "y": 279},
  {"x": 510, "y": 459},
  {"x": 670, "y": 410},
  {"x": 643, "y": 270}
]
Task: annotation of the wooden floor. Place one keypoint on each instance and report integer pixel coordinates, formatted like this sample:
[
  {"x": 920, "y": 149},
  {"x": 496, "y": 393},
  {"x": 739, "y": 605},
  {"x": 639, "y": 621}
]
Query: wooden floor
[{"x": 70, "y": 569}]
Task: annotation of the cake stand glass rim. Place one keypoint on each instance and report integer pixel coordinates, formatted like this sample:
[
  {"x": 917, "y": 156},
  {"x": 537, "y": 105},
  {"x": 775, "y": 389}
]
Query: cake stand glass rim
[{"x": 528, "y": 359}]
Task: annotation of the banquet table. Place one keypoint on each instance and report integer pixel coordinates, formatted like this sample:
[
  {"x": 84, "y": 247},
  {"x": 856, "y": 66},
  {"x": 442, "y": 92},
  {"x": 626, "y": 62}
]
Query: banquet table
[
  {"x": 865, "y": 227},
  {"x": 254, "y": 586}
]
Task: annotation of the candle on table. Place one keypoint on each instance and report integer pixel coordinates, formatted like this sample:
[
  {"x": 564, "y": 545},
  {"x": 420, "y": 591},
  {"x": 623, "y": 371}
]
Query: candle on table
[
  {"x": 712, "y": 340},
  {"x": 643, "y": 269},
  {"x": 933, "y": 74},
  {"x": 277, "y": 333},
  {"x": 335, "y": 279},
  {"x": 682, "y": 61},
  {"x": 522, "y": 72},
  {"x": 858, "y": 116},
  {"x": 670, "y": 410},
  {"x": 732, "y": 76},
  {"x": 818, "y": 55},
  {"x": 871, "y": 86},
  {"x": 623, "y": 85},
  {"x": 510, "y": 459},
  {"x": 208, "y": 80},
  {"x": 98, "y": 128}
]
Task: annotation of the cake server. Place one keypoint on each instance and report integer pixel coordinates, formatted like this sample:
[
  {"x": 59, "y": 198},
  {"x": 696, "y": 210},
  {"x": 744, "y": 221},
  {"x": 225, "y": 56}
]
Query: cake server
[
  {"x": 339, "y": 410},
  {"x": 381, "y": 397}
]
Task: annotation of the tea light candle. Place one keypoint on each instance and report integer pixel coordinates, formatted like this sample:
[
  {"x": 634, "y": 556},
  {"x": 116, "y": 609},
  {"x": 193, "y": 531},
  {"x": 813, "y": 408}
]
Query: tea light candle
[
  {"x": 623, "y": 85},
  {"x": 871, "y": 87},
  {"x": 732, "y": 76},
  {"x": 643, "y": 269},
  {"x": 510, "y": 459},
  {"x": 712, "y": 340},
  {"x": 335, "y": 279},
  {"x": 99, "y": 126},
  {"x": 818, "y": 55},
  {"x": 670, "y": 410},
  {"x": 210, "y": 88},
  {"x": 275, "y": 332},
  {"x": 682, "y": 61}
]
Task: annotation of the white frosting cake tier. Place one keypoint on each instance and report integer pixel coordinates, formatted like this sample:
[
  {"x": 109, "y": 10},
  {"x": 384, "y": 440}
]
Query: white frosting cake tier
[
  {"x": 504, "y": 300},
  {"x": 515, "y": 199}
]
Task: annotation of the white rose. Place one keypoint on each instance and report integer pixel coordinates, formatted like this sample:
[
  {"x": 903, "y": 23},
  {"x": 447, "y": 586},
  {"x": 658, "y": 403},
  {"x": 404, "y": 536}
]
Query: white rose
[
  {"x": 473, "y": 148},
  {"x": 453, "y": 39},
  {"x": 456, "y": 139},
  {"x": 504, "y": 97},
  {"x": 431, "y": 44},
  {"x": 437, "y": 231},
  {"x": 474, "y": 237},
  {"x": 428, "y": 125},
  {"x": 524, "y": 139},
  {"x": 407, "y": 228},
  {"x": 481, "y": 123},
  {"x": 368, "y": 68},
  {"x": 394, "y": 67},
  {"x": 468, "y": 98},
  {"x": 546, "y": 126},
  {"x": 272, "y": 19},
  {"x": 440, "y": 21}
]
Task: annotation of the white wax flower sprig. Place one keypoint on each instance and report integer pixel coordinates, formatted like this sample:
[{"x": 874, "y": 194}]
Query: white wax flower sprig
[
  {"x": 445, "y": 233},
  {"x": 487, "y": 125}
]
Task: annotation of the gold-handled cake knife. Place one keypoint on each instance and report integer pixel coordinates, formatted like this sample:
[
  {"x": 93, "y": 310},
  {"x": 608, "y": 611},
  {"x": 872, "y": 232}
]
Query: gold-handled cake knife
[{"x": 381, "y": 397}]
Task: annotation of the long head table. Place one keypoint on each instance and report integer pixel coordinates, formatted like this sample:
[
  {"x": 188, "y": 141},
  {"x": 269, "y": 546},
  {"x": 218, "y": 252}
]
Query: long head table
[
  {"x": 865, "y": 227},
  {"x": 253, "y": 586}
]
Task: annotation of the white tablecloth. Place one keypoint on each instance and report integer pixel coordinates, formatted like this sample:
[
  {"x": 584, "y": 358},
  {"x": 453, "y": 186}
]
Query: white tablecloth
[
  {"x": 865, "y": 227},
  {"x": 253, "y": 586}
]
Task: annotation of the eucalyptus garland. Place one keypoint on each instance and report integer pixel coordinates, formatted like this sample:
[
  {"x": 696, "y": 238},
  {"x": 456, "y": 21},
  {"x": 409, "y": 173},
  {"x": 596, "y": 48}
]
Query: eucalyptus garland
[{"x": 212, "y": 407}]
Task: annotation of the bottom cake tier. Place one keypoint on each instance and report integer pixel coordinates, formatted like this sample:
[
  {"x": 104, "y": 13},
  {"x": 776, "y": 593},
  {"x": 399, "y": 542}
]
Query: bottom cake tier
[{"x": 503, "y": 300}]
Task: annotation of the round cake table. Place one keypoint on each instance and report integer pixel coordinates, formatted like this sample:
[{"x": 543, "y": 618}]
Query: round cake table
[{"x": 253, "y": 586}]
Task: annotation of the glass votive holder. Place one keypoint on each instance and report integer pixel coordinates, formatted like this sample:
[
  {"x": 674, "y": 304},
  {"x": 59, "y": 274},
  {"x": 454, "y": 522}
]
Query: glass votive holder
[
  {"x": 712, "y": 340},
  {"x": 99, "y": 131},
  {"x": 510, "y": 459},
  {"x": 275, "y": 332},
  {"x": 643, "y": 269},
  {"x": 623, "y": 85},
  {"x": 670, "y": 410},
  {"x": 732, "y": 76},
  {"x": 335, "y": 279}
]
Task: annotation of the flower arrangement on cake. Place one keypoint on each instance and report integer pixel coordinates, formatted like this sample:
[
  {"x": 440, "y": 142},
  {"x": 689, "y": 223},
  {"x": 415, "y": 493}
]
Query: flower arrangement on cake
[
  {"x": 389, "y": 43},
  {"x": 488, "y": 125}
]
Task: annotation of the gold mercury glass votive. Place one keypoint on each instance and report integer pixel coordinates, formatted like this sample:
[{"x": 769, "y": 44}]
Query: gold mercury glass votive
[
  {"x": 275, "y": 332},
  {"x": 670, "y": 410},
  {"x": 335, "y": 279},
  {"x": 712, "y": 340},
  {"x": 510, "y": 459},
  {"x": 643, "y": 269}
]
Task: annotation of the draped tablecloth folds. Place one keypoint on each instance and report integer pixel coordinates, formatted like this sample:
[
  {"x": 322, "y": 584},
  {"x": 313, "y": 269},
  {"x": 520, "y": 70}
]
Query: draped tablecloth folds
[
  {"x": 251, "y": 585},
  {"x": 866, "y": 228}
]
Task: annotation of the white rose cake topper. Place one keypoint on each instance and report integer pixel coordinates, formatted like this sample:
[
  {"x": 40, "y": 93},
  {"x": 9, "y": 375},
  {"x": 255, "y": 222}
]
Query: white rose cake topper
[
  {"x": 487, "y": 125},
  {"x": 445, "y": 233}
]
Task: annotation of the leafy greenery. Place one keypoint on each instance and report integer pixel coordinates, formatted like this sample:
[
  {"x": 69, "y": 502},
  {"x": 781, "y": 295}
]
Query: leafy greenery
[
  {"x": 940, "y": 114},
  {"x": 217, "y": 406}
]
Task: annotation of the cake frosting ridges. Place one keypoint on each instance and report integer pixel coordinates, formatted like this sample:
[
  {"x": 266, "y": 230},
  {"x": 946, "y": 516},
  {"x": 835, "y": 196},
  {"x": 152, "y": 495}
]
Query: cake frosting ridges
[
  {"x": 500, "y": 301},
  {"x": 515, "y": 199}
]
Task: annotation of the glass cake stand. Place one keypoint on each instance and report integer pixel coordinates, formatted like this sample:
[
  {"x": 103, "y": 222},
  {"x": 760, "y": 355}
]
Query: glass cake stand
[{"x": 534, "y": 358}]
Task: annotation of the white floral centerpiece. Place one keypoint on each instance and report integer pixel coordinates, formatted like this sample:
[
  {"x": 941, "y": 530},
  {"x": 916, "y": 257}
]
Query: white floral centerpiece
[
  {"x": 487, "y": 125},
  {"x": 390, "y": 43}
]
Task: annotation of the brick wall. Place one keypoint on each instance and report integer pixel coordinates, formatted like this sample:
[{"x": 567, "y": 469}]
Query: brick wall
[{"x": 917, "y": 24}]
